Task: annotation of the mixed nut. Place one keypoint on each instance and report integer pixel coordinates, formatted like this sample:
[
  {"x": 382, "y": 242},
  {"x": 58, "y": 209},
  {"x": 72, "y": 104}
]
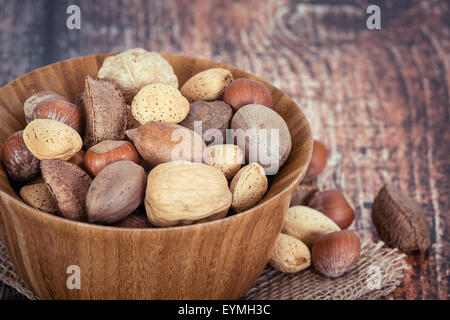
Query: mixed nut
[
  {"x": 314, "y": 232},
  {"x": 134, "y": 142}
]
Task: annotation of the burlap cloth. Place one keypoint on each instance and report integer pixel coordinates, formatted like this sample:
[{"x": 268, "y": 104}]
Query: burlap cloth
[{"x": 377, "y": 273}]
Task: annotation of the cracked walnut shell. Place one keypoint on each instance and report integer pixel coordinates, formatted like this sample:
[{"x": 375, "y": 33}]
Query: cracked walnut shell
[{"x": 133, "y": 69}]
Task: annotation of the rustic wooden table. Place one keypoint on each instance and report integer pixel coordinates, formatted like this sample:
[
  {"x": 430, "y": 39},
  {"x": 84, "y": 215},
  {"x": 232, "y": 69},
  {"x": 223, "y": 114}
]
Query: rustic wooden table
[{"x": 380, "y": 99}]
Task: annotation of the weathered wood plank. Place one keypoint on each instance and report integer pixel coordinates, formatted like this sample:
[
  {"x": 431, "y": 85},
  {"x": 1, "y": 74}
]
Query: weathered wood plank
[{"x": 379, "y": 99}]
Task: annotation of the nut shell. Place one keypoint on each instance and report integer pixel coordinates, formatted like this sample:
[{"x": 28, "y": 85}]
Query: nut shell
[
  {"x": 38, "y": 196},
  {"x": 160, "y": 142},
  {"x": 400, "y": 221},
  {"x": 133, "y": 69},
  {"x": 106, "y": 152},
  {"x": 19, "y": 162},
  {"x": 68, "y": 185},
  {"x": 207, "y": 85},
  {"x": 307, "y": 224},
  {"x": 215, "y": 117},
  {"x": 334, "y": 253},
  {"x": 115, "y": 192},
  {"x": 290, "y": 255},
  {"x": 242, "y": 91},
  {"x": 263, "y": 135},
  {"x": 104, "y": 111},
  {"x": 227, "y": 158},
  {"x": 182, "y": 193},
  {"x": 336, "y": 205},
  {"x": 60, "y": 110},
  {"x": 248, "y": 187},
  {"x": 136, "y": 220},
  {"x": 51, "y": 139},
  {"x": 78, "y": 159},
  {"x": 39, "y": 98},
  {"x": 302, "y": 194},
  {"x": 318, "y": 161},
  {"x": 159, "y": 102}
]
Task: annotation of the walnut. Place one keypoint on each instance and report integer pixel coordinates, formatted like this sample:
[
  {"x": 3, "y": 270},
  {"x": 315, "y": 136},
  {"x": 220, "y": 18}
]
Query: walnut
[{"x": 134, "y": 69}]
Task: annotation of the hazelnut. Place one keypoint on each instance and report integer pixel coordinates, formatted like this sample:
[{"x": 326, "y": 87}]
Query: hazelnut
[
  {"x": 60, "y": 110},
  {"x": 78, "y": 159},
  {"x": 136, "y": 220},
  {"x": 107, "y": 152},
  {"x": 318, "y": 161},
  {"x": 336, "y": 205},
  {"x": 242, "y": 91},
  {"x": 333, "y": 253},
  {"x": 20, "y": 163},
  {"x": 36, "y": 99}
]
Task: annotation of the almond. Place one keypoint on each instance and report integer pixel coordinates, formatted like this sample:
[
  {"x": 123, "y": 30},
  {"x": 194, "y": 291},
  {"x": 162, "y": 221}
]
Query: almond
[
  {"x": 51, "y": 139},
  {"x": 38, "y": 196},
  {"x": 227, "y": 158},
  {"x": 307, "y": 224},
  {"x": 159, "y": 102},
  {"x": 207, "y": 85},
  {"x": 248, "y": 186},
  {"x": 290, "y": 254}
]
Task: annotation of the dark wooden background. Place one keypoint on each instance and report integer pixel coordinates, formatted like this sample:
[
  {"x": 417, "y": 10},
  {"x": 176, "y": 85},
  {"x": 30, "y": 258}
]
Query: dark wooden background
[{"x": 380, "y": 99}]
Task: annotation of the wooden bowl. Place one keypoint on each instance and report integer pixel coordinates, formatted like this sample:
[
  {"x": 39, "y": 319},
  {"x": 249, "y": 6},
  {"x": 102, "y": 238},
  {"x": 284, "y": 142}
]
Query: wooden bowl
[{"x": 215, "y": 260}]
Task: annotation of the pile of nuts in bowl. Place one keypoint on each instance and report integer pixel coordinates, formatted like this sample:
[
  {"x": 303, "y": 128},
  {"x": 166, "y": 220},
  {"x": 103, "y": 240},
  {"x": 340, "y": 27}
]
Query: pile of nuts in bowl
[{"x": 135, "y": 151}]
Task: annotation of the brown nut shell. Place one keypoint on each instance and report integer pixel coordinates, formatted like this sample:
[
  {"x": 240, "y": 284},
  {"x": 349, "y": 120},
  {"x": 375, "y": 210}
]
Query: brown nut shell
[
  {"x": 302, "y": 194},
  {"x": 106, "y": 152},
  {"x": 136, "y": 220},
  {"x": 318, "y": 161},
  {"x": 207, "y": 85},
  {"x": 160, "y": 142},
  {"x": 115, "y": 192},
  {"x": 248, "y": 187},
  {"x": 183, "y": 193},
  {"x": 334, "y": 253},
  {"x": 68, "y": 185},
  {"x": 78, "y": 159},
  {"x": 51, "y": 139},
  {"x": 214, "y": 117},
  {"x": 400, "y": 221},
  {"x": 38, "y": 196},
  {"x": 336, "y": 205},
  {"x": 19, "y": 162},
  {"x": 104, "y": 110},
  {"x": 60, "y": 110},
  {"x": 264, "y": 135},
  {"x": 290, "y": 255},
  {"x": 242, "y": 91},
  {"x": 37, "y": 99}
]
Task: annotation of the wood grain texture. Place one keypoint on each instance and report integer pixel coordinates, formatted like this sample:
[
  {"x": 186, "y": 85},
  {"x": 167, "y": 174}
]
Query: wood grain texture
[
  {"x": 215, "y": 260},
  {"x": 378, "y": 99}
]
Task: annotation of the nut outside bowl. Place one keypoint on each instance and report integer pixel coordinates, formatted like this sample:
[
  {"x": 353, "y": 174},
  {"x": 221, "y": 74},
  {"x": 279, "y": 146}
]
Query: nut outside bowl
[{"x": 215, "y": 260}]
